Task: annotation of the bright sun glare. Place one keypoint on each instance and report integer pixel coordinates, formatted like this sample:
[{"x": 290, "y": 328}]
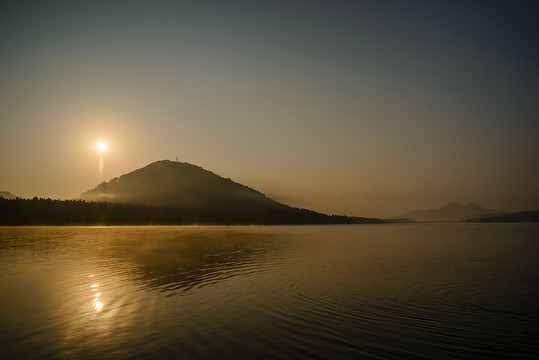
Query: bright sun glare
[{"x": 101, "y": 146}]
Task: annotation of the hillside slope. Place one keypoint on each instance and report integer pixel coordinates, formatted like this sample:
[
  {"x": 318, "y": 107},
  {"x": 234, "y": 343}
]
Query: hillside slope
[{"x": 177, "y": 184}]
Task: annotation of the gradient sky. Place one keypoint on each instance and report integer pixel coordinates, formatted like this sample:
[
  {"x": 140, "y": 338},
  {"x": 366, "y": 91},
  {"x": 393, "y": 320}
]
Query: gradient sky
[{"x": 368, "y": 108}]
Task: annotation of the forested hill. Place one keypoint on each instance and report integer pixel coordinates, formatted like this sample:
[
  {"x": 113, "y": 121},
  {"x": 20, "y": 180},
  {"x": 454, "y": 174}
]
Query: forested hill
[
  {"x": 183, "y": 185},
  {"x": 165, "y": 193}
]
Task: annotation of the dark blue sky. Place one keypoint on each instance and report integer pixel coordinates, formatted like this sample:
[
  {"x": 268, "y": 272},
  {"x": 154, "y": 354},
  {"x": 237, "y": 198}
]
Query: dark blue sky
[{"x": 358, "y": 107}]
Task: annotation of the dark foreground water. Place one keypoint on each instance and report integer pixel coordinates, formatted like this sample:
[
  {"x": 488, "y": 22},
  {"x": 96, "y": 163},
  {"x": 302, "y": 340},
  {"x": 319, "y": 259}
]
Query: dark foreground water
[{"x": 354, "y": 291}]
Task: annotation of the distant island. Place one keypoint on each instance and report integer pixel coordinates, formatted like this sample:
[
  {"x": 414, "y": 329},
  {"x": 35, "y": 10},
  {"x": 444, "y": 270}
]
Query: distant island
[{"x": 166, "y": 193}]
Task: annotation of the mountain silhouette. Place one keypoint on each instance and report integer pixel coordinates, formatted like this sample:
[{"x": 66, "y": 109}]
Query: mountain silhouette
[
  {"x": 453, "y": 211},
  {"x": 166, "y": 193},
  {"x": 181, "y": 185},
  {"x": 7, "y": 195}
]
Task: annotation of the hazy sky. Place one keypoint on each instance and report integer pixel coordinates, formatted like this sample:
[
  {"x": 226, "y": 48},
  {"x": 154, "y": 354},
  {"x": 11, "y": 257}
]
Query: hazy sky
[{"x": 369, "y": 108}]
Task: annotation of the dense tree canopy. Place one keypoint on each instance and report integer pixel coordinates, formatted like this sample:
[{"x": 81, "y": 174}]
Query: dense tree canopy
[{"x": 38, "y": 211}]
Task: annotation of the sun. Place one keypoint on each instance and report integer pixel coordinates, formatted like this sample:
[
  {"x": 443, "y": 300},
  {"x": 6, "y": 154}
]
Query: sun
[{"x": 101, "y": 146}]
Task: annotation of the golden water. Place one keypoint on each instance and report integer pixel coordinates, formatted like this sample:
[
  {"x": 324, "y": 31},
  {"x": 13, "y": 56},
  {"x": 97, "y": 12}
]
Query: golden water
[{"x": 353, "y": 291}]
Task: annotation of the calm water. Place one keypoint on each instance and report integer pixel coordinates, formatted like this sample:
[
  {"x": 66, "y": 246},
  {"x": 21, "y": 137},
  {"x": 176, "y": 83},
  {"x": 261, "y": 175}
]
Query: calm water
[{"x": 360, "y": 291}]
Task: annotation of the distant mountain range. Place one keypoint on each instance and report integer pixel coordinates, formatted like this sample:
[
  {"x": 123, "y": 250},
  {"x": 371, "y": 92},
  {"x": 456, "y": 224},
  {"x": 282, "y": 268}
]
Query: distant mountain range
[{"x": 453, "y": 211}]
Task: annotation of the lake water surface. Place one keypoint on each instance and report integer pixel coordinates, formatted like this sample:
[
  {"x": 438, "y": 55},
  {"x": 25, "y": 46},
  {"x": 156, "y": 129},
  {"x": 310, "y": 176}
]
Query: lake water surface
[{"x": 432, "y": 291}]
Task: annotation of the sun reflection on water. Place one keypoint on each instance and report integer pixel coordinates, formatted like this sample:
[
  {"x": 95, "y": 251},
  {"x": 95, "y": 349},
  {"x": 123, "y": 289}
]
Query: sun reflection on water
[{"x": 96, "y": 301}]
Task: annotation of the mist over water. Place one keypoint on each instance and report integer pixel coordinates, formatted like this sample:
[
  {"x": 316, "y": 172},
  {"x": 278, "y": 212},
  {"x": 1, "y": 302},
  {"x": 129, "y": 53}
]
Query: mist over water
[{"x": 428, "y": 291}]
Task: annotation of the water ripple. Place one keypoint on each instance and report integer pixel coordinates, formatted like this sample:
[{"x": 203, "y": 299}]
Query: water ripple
[{"x": 305, "y": 293}]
